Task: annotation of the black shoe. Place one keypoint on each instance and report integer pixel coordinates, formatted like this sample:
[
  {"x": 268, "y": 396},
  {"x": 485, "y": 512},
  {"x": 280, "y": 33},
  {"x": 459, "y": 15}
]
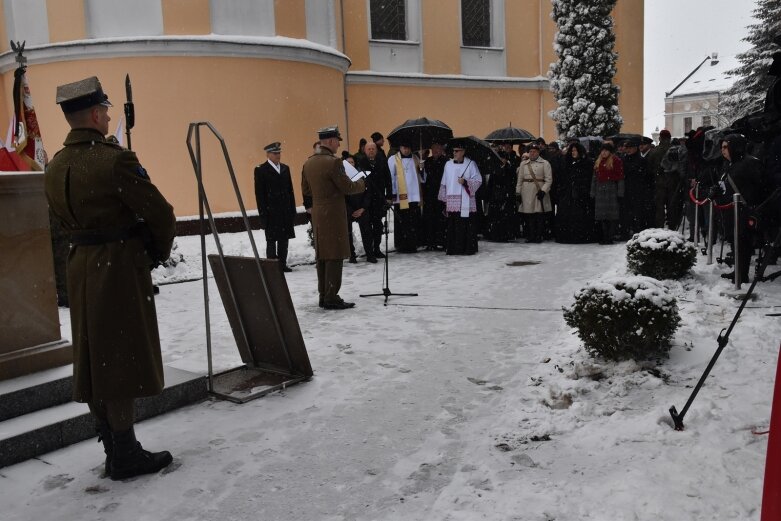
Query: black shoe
[
  {"x": 104, "y": 435},
  {"x": 320, "y": 303},
  {"x": 371, "y": 259},
  {"x": 731, "y": 276},
  {"x": 379, "y": 254},
  {"x": 352, "y": 260},
  {"x": 156, "y": 290},
  {"x": 130, "y": 459},
  {"x": 339, "y": 304},
  {"x": 287, "y": 269}
]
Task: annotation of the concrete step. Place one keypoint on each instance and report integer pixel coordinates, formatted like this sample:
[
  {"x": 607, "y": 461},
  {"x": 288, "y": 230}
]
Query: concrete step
[
  {"x": 33, "y": 392},
  {"x": 44, "y": 429}
]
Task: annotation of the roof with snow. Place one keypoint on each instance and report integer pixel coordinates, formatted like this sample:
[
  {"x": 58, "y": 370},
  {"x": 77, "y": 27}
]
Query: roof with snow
[{"x": 709, "y": 76}]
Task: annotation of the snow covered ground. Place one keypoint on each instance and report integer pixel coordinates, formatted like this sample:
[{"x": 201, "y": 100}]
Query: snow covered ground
[{"x": 471, "y": 401}]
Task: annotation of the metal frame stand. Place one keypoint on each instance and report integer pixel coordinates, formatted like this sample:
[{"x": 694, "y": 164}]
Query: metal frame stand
[
  {"x": 386, "y": 292},
  {"x": 723, "y": 337},
  {"x": 203, "y": 204},
  {"x": 711, "y": 232}
]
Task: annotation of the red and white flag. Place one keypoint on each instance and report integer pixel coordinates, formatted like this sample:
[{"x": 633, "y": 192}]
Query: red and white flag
[{"x": 27, "y": 134}]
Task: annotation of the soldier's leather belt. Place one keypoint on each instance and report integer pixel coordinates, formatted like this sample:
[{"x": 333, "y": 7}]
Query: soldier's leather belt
[{"x": 96, "y": 237}]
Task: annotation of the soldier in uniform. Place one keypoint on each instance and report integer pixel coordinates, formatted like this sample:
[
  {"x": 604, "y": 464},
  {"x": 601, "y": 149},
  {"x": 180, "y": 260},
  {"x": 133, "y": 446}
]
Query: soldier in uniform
[
  {"x": 119, "y": 225},
  {"x": 325, "y": 184},
  {"x": 276, "y": 204}
]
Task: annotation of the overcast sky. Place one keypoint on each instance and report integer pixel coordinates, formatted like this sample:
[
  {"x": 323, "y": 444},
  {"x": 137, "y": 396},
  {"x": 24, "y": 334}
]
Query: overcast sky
[{"x": 678, "y": 35}]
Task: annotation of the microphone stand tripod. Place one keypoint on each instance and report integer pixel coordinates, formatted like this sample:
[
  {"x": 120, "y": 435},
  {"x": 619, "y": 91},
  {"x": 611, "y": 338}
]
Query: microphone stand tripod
[{"x": 386, "y": 292}]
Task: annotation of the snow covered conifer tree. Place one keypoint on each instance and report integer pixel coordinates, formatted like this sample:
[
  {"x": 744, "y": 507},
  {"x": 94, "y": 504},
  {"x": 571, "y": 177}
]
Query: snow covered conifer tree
[
  {"x": 747, "y": 95},
  {"x": 582, "y": 78}
]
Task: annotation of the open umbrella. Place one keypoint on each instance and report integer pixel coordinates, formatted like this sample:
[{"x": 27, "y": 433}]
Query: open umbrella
[
  {"x": 619, "y": 138},
  {"x": 511, "y": 135},
  {"x": 420, "y": 133},
  {"x": 478, "y": 151}
]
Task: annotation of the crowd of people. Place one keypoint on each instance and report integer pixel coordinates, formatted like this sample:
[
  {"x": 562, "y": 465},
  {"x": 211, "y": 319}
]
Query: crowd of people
[{"x": 584, "y": 190}]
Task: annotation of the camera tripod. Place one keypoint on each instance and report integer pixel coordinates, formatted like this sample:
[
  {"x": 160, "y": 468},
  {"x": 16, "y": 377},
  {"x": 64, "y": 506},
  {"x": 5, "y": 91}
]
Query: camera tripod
[
  {"x": 386, "y": 292},
  {"x": 770, "y": 249}
]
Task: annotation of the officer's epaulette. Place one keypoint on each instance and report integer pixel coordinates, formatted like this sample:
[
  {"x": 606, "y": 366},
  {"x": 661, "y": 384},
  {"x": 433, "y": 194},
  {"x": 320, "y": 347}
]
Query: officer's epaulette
[{"x": 113, "y": 142}]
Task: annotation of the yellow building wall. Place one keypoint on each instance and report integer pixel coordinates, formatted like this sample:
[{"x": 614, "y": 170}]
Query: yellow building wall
[
  {"x": 356, "y": 33},
  {"x": 290, "y": 18},
  {"x": 264, "y": 101},
  {"x": 185, "y": 16},
  {"x": 629, "y": 23},
  {"x": 70, "y": 24},
  {"x": 441, "y": 36},
  {"x": 496, "y": 108}
]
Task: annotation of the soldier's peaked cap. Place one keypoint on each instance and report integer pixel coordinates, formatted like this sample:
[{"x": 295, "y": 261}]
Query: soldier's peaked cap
[
  {"x": 81, "y": 94},
  {"x": 273, "y": 147},
  {"x": 329, "y": 132}
]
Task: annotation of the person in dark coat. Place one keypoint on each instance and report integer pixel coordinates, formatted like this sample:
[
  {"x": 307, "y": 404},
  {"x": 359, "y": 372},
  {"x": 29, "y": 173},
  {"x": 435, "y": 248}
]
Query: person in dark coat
[
  {"x": 607, "y": 190},
  {"x": 742, "y": 174},
  {"x": 434, "y": 221},
  {"x": 324, "y": 183},
  {"x": 575, "y": 213},
  {"x": 501, "y": 214},
  {"x": 276, "y": 204},
  {"x": 381, "y": 194},
  {"x": 358, "y": 206},
  {"x": 637, "y": 210},
  {"x": 119, "y": 225}
]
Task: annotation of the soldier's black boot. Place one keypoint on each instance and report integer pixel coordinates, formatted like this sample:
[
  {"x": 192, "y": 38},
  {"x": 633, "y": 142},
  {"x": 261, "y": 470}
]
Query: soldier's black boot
[
  {"x": 104, "y": 435},
  {"x": 130, "y": 459}
]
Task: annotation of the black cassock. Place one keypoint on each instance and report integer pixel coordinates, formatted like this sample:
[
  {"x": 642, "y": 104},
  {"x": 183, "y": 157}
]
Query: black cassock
[
  {"x": 461, "y": 236},
  {"x": 501, "y": 214},
  {"x": 433, "y": 208},
  {"x": 575, "y": 210}
]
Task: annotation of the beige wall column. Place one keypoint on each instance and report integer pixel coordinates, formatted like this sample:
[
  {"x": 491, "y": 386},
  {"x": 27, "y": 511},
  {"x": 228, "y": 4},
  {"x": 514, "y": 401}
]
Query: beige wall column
[
  {"x": 70, "y": 24},
  {"x": 183, "y": 16},
  {"x": 356, "y": 33},
  {"x": 629, "y": 22},
  {"x": 29, "y": 321},
  {"x": 441, "y": 40},
  {"x": 290, "y": 18}
]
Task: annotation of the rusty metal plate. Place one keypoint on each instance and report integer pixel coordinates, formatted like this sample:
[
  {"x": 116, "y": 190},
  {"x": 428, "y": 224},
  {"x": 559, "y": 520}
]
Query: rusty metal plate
[{"x": 260, "y": 343}]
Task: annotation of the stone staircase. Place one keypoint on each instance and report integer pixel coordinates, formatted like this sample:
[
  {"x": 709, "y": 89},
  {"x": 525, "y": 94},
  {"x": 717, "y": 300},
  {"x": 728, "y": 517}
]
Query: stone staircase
[{"x": 37, "y": 415}]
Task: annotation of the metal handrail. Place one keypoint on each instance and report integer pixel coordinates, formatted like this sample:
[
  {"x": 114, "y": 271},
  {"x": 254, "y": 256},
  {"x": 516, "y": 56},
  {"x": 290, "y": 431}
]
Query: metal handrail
[{"x": 203, "y": 202}]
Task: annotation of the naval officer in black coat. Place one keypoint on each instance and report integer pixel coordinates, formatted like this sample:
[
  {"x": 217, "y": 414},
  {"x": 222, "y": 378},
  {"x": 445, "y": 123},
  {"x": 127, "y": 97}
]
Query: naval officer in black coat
[{"x": 276, "y": 203}]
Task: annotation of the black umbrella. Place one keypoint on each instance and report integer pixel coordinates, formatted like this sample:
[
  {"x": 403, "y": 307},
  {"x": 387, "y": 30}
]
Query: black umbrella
[
  {"x": 420, "y": 133},
  {"x": 511, "y": 135},
  {"x": 479, "y": 151},
  {"x": 619, "y": 138}
]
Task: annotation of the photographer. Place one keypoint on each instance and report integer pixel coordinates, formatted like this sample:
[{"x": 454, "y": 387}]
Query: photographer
[{"x": 742, "y": 174}]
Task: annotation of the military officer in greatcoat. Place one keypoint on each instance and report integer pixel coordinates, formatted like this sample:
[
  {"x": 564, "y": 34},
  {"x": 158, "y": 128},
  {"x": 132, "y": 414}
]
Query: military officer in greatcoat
[
  {"x": 119, "y": 226},
  {"x": 276, "y": 203},
  {"x": 325, "y": 184}
]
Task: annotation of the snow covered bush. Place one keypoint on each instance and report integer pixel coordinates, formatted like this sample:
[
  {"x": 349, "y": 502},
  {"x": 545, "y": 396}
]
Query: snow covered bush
[
  {"x": 624, "y": 318},
  {"x": 661, "y": 254}
]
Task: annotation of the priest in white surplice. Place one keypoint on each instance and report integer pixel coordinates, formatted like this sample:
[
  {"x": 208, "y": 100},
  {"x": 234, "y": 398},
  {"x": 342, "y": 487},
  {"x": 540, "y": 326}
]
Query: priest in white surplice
[
  {"x": 405, "y": 176},
  {"x": 459, "y": 185}
]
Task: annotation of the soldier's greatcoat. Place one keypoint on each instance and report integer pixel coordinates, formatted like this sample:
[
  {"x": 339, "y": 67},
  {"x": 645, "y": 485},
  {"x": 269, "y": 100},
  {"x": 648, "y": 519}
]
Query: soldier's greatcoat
[
  {"x": 324, "y": 180},
  {"x": 96, "y": 185}
]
